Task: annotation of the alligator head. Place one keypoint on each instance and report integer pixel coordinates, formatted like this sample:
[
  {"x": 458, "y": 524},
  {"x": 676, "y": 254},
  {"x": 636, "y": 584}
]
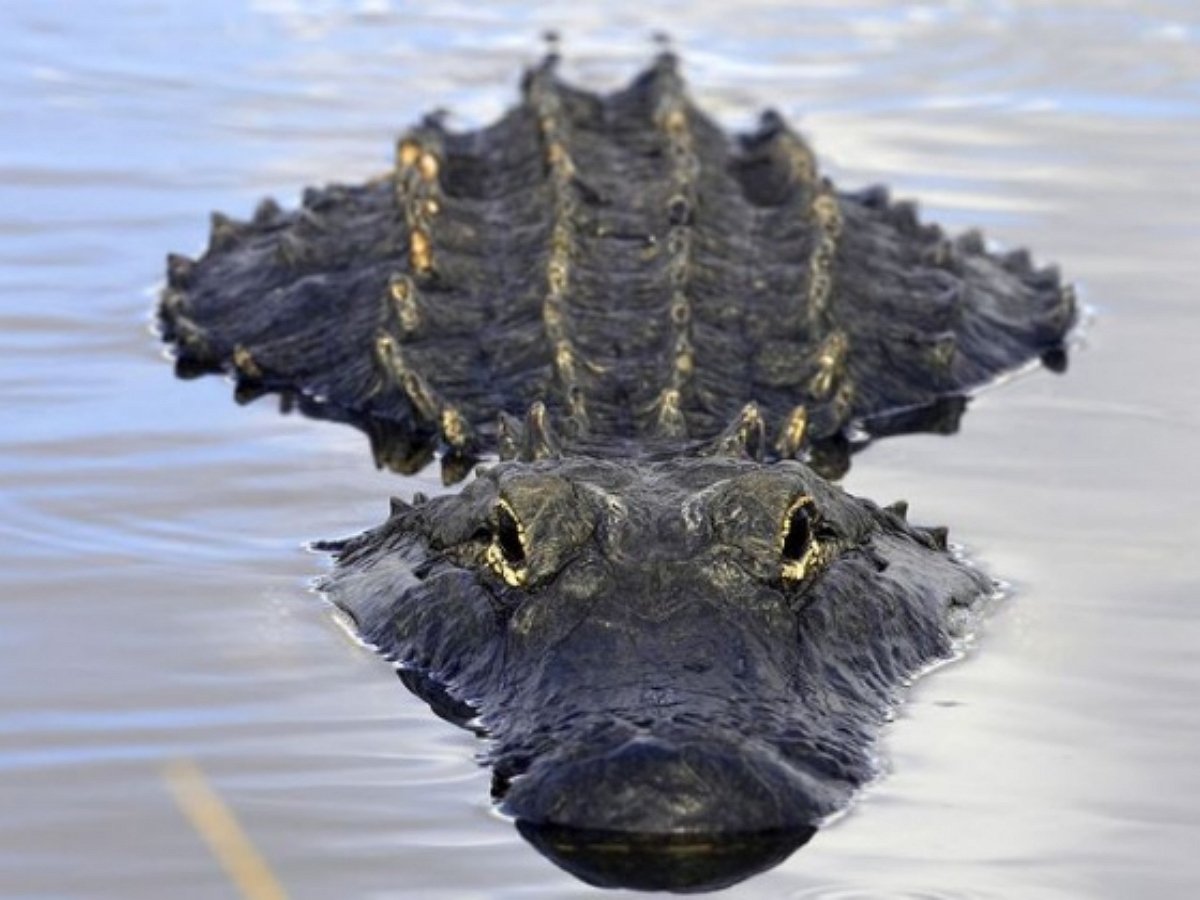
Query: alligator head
[{"x": 699, "y": 647}]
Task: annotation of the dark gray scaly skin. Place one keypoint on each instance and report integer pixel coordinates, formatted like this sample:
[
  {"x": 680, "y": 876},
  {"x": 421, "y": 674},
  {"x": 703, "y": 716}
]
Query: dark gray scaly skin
[
  {"x": 650, "y": 632},
  {"x": 662, "y": 618}
]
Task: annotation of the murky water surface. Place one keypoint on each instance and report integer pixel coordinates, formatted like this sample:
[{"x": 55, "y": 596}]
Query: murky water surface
[{"x": 155, "y": 604}]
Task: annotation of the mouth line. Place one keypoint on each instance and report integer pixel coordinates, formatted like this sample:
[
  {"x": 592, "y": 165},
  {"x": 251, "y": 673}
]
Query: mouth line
[
  {"x": 617, "y": 787},
  {"x": 682, "y": 843}
]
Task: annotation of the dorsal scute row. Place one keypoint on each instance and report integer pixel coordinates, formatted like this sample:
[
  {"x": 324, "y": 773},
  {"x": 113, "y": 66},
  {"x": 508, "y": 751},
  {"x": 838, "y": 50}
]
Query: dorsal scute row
[{"x": 621, "y": 261}]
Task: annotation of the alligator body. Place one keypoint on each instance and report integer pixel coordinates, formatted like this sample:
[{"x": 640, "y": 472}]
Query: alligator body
[{"x": 669, "y": 624}]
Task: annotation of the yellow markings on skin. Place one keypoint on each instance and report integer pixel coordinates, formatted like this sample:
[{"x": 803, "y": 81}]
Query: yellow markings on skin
[
  {"x": 791, "y": 435},
  {"x": 559, "y": 160},
  {"x": 387, "y": 351},
  {"x": 553, "y": 130},
  {"x": 418, "y": 193},
  {"x": 672, "y": 119},
  {"x": 557, "y": 275},
  {"x": 244, "y": 362},
  {"x": 512, "y": 577},
  {"x": 452, "y": 424},
  {"x": 670, "y": 421},
  {"x": 684, "y": 357},
  {"x": 843, "y": 401},
  {"x": 800, "y": 159},
  {"x": 427, "y": 166},
  {"x": 743, "y": 436},
  {"x": 420, "y": 252},
  {"x": 220, "y": 830},
  {"x": 831, "y": 364},
  {"x": 824, "y": 212},
  {"x": 404, "y": 302},
  {"x": 827, "y": 211},
  {"x": 564, "y": 360},
  {"x": 827, "y": 217},
  {"x": 815, "y": 554},
  {"x": 408, "y": 153},
  {"x": 455, "y": 428}
]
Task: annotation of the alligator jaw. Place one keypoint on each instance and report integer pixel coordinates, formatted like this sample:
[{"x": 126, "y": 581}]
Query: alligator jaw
[{"x": 682, "y": 815}]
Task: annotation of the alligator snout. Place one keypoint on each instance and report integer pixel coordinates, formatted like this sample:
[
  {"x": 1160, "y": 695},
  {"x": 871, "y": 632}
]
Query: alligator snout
[{"x": 650, "y": 785}]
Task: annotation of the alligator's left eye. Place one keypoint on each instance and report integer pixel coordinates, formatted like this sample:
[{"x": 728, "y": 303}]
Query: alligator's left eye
[
  {"x": 506, "y": 554},
  {"x": 800, "y": 550}
]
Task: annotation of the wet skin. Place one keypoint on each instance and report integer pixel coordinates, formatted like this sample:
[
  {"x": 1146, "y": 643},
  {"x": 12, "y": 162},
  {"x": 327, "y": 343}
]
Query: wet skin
[
  {"x": 668, "y": 624},
  {"x": 705, "y": 644}
]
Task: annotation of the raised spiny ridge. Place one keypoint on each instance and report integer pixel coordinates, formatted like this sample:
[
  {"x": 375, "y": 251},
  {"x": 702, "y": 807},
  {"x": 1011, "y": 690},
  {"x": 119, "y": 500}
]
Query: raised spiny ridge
[
  {"x": 554, "y": 125},
  {"x": 623, "y": 263},
  {"x": 419, "y": 195},
  {"x": 672, "y": 118}
]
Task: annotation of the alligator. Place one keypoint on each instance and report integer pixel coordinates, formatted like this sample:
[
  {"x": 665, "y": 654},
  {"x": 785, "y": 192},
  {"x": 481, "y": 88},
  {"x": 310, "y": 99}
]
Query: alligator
[{"x": 678, "y": 635}]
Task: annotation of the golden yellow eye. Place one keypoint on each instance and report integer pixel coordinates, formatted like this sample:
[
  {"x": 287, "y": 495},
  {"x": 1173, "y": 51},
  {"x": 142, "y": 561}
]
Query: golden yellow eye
[
  {"x": 506, "y": 554},
  {"x": 799, "y": 548}
]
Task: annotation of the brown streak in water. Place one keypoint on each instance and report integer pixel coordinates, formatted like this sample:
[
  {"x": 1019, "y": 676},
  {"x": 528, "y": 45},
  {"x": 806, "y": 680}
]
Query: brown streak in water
[{"x": 219, "y": 828}]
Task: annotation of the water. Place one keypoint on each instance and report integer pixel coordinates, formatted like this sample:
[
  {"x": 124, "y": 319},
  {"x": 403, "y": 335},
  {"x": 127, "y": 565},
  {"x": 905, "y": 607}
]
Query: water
[{"x": 154, "y": 604}]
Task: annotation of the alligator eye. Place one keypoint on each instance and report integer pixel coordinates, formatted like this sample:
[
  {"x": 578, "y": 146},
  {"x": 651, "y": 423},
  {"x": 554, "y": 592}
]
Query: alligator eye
[
  {"x": 509, "y": 536},
  {"x": 506, "y": 553},
  {"x": 798, "y": 545}
]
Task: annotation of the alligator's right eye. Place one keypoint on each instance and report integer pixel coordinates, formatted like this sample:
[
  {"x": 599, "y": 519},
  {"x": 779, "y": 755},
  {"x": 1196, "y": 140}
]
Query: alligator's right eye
[
  {"x": 800, "y": 549},
  {"x": 506, "y": 554},
  {"x": 797, "y": 533}
]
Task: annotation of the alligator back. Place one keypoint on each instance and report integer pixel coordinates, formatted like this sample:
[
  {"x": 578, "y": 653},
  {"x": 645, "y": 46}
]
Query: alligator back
[{"x": 624, "y": 262}]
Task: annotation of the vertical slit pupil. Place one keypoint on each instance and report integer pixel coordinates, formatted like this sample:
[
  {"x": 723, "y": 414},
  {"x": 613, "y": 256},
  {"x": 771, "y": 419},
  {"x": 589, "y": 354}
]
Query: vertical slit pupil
[
  {"x": 799, "y": 534},
  {"x": 508, "y": 536}
]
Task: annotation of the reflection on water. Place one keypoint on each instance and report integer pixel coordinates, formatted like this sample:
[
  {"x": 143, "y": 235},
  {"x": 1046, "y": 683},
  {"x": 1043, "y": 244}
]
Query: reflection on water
[
  {"x": 154, "y": 604},
  {"x": 685, "y": 863}
]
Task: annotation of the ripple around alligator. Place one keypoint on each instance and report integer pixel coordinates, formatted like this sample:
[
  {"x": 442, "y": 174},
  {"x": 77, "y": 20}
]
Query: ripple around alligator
[{"x": 155, "y": 604}]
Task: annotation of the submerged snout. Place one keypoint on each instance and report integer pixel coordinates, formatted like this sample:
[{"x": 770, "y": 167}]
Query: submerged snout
[{"x": 650, "y": 785}]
